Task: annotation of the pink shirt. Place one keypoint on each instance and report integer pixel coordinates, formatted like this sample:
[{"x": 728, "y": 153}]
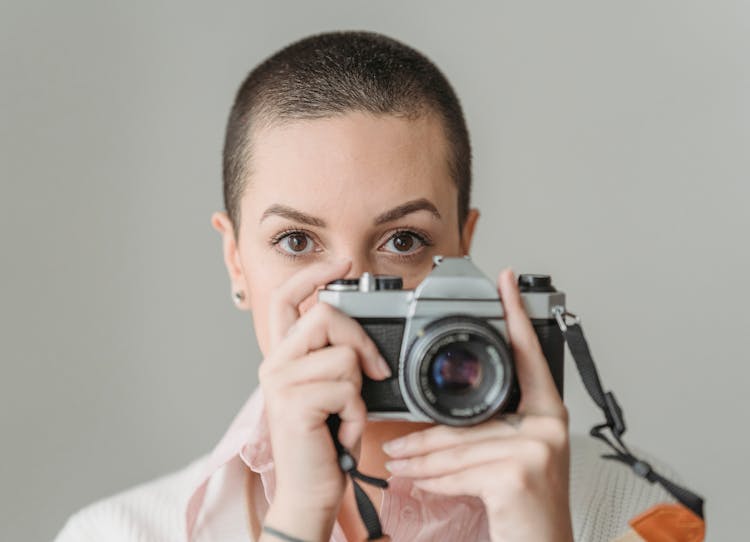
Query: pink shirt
[
  {"x": 406, "y": 512},
  {"x": 208, "y": 497}
]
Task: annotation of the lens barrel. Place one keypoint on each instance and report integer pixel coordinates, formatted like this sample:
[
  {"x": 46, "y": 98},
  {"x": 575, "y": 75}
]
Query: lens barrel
[{"x": 459, "y": 370}]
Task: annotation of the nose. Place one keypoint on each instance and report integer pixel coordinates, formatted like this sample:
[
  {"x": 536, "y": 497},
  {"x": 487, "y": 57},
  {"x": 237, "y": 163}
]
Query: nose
[{"x": 360, "y": 265}]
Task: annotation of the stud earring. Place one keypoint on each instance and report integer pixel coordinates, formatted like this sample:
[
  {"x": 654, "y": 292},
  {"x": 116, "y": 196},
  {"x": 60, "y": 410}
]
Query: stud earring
[{"x": 238, "y": 297}]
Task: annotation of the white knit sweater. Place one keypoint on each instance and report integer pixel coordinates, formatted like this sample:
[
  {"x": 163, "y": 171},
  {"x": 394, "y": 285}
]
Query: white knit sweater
[{"x": 604, "y": 496}]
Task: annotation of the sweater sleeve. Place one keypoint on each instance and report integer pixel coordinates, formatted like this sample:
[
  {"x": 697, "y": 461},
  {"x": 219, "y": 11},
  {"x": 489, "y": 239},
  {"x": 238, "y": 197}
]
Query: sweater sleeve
[
  {"x": 107, "y": 521},
  {"x": 605, "y": 495},
  {"x": 151, "y": 512}
]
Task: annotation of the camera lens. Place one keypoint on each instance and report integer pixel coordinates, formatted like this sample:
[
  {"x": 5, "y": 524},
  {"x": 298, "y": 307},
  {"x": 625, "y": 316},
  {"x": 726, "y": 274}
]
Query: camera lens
[
  {"x": 459, "y": 371},
  {"x": 455, "y": 369}
]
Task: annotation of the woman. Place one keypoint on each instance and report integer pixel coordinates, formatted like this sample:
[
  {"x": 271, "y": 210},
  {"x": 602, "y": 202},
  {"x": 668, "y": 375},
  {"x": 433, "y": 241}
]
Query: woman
[{"x": 346, "y": 153}]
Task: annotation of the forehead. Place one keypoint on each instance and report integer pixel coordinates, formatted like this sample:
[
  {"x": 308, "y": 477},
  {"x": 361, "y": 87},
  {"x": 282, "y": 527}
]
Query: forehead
[{"x": 352, "y": 161}]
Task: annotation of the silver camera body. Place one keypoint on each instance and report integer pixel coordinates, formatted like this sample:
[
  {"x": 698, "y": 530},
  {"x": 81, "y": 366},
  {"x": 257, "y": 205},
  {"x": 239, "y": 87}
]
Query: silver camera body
[{"x": 446, "y": 341}]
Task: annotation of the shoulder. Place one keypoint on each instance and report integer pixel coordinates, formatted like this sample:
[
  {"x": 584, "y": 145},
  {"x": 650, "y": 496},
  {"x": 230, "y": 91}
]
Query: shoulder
[
  {"x": 605, "y": 494},
  {"x": 153, "y": 511}
]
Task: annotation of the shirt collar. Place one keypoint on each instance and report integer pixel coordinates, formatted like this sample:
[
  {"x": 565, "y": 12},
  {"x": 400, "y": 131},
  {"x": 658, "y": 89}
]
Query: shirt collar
[{"x": 404, "y": 507}]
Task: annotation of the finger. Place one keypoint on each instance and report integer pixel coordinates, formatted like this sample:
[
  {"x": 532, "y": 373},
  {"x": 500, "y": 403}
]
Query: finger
[
  {"x": 538, "y": 391},
  {"x": 464, "y": 456},
  {"x": 342, "y": 398},
  {"x": 284, "y": 305},
  {"x": 441, "y": 437},
  {"x": 325, "y": 325},
  {"x": 333, "y": 363},
  {"x": 473, "y": 481},
  {"x": 303, "y": 409}
]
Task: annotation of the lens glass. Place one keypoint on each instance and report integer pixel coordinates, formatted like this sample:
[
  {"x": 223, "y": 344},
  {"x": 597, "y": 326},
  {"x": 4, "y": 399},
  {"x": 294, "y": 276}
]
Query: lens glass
[{"x": 455, "y": 369}]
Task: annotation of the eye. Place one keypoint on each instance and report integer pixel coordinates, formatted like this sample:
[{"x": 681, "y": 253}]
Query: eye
[
  {"x": 406, "y": 242},
  {"x": 294, "y": 243}
]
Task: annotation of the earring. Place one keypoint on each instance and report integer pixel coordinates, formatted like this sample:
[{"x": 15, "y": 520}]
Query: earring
[{"x": 238, "y": 297}]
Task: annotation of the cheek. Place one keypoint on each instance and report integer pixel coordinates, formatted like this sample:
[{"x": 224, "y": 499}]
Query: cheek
[
  {"x": 413, "y": 275},
  {"x": 259, "y": 308},
  {"x": 262, "y": 281}
]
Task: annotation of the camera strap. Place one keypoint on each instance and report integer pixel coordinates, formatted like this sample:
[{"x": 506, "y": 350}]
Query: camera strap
[
  {"x": 348, "y": 465},
  {"x": 614, "y": 419}
]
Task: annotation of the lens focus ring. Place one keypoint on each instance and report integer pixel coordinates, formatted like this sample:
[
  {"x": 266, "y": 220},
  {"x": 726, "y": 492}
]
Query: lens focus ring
[{"x": 459, "y": 371}]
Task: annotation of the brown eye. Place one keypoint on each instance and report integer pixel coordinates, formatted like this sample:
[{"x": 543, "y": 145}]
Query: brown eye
[
  {"x": 295, "y": 243},
  {"x": 405, "y": 243}
]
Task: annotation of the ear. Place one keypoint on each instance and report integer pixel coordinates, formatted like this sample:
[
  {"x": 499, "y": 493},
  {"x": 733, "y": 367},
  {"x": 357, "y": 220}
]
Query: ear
[
  {"x": 467, "y": 233},
  {"x": 221, "y": 223}
]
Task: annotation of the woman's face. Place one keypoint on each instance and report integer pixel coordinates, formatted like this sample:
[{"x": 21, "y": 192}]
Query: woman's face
[{"x": 374, "y": 189}]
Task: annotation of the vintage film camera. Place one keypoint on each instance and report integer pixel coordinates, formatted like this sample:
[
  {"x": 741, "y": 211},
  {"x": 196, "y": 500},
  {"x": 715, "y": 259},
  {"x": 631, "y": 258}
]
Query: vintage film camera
[{"x": 446, "y": 341}]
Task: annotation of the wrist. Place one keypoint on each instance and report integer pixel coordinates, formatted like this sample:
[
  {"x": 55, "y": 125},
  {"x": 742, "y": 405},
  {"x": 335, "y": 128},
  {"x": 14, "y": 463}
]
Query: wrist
[
  {"x": 300, "y": 520},
  {"x": 275, "y": 534}
]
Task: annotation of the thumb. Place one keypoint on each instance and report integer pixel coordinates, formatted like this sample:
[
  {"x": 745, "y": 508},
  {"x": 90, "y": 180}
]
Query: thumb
[{"x": 538, "y": 392}]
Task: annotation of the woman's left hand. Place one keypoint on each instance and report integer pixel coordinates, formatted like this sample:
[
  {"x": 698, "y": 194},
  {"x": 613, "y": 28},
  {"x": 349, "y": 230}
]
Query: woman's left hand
[{"x": 517, "y": 465}]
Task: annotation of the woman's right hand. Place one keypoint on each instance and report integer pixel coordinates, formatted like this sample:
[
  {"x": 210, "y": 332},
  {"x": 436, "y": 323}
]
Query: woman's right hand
[{"x": 313, "y": 369}]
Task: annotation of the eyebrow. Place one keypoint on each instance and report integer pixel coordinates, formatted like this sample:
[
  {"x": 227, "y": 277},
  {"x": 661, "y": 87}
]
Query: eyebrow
[
  {"x": 292, "y": 214},
  {"x": 397, "y": 212},
  {"x": 404, "y": 209}
]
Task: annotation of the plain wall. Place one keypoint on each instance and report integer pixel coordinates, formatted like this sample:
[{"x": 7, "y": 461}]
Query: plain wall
[{"x": 612, "y": 150}]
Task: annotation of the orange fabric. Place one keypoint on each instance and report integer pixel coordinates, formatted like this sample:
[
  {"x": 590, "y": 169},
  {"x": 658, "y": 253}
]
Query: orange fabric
[{"x": 669, "y": 523}]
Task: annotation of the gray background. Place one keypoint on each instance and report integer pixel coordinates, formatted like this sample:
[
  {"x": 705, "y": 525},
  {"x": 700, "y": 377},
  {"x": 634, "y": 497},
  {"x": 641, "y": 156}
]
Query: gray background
[{"x": 611, "y": 143}]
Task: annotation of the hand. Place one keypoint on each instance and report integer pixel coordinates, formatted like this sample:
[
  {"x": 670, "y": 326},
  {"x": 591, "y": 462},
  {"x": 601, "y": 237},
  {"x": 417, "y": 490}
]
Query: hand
[
  {"x": 518, "y": 465},
  {"x": 314, "y": 368}
]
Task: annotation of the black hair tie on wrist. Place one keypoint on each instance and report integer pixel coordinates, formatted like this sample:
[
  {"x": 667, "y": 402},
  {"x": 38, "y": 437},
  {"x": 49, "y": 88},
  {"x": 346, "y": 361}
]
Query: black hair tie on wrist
[{"x": 279, "y": 534}]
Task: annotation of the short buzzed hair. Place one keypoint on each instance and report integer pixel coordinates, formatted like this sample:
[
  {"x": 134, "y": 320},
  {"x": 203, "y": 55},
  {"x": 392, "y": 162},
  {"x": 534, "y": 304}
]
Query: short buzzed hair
[{"x": 334, "y": 73}]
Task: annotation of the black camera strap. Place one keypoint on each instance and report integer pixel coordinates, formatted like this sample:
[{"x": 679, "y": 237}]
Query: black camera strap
[
  {"x": 615, "y": 421},
  {"x": 348, "y": 464}
]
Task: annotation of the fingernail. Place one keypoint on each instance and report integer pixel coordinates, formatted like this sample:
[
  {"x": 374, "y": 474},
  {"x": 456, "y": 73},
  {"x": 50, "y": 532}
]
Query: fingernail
[
  {"x": 385, "y": 369},
  {"x": 396, "y": 465},
  {"x": 394, "y": 446}
]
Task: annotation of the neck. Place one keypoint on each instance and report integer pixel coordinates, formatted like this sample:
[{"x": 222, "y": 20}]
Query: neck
[
  {"x": 372, "y": 457},
  {"x": 371, "y": 462}
]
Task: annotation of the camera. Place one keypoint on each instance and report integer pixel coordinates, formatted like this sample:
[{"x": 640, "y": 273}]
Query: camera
[{"x": 446, "y": 341}]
